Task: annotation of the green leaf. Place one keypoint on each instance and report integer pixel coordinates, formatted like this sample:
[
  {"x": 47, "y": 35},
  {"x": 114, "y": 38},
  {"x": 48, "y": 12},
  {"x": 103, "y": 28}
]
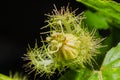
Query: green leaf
[
  {"x": 112, "y": 58},
  {"x": 95, "y": 20},
  {"x": 109, "y": 9},
  {"x": 111, "y": 73},
  {"x": 111, "y": 64}
]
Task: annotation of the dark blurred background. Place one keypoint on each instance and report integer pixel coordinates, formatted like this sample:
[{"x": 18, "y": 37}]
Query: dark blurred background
[{"x": 20, "y": 25}]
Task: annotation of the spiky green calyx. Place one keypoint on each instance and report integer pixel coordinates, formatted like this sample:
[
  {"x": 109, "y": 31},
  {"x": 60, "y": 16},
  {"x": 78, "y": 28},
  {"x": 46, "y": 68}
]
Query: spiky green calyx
[{"x": 67, "y": 43}]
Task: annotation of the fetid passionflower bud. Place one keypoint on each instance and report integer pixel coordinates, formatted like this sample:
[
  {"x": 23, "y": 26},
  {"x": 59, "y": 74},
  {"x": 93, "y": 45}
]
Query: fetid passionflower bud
[
  {"x": 67, "y": 43},
  {"x": 64, "y": 46}
]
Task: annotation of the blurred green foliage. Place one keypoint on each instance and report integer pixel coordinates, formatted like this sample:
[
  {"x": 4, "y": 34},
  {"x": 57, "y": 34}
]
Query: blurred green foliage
[
  {"x": 16, "y": 76},
  {"x": 107, "y": 11}
]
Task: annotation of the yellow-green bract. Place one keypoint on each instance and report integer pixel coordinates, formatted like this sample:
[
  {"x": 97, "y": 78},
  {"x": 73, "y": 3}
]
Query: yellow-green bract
[{"x": 68, "y": 43}]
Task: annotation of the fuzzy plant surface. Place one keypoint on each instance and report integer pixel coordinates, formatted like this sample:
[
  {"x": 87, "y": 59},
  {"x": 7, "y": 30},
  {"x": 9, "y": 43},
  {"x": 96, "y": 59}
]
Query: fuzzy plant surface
[{"x": 68, "y": 45}]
